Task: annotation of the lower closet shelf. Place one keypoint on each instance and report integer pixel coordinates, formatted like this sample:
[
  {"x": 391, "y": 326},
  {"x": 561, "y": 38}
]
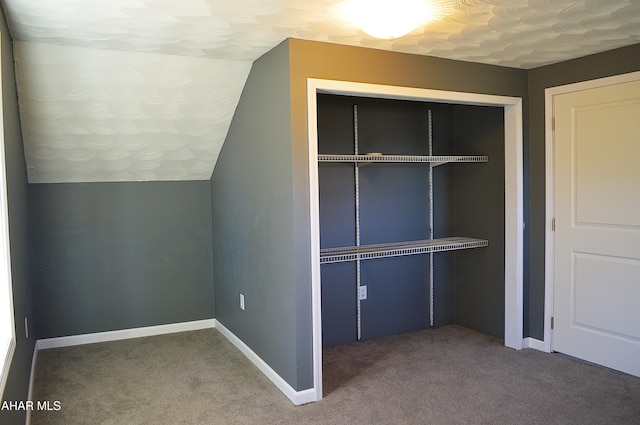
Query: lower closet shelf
[{"x": 426, "y": 246}]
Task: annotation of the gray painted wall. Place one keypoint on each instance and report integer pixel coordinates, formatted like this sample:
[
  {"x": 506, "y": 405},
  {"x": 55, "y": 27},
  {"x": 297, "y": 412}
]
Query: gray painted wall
[
  {"x": 619, "y": 61},
  {"x": 254, "y": 229},
  {"x": 108, "y": 256},
  {"x": 393, "y": 207},
  {"x": 329, "y": 61},
  {"x": 335, "y": 62},
  {"x": 469, "y": 201},
  {"x": 479, "y": 213},
  {"x": 18, "y": 380},
  {"x": 258, "y": 204}
]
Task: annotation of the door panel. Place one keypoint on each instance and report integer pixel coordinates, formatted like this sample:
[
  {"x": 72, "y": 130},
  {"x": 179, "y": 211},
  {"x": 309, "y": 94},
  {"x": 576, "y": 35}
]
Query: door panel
[
  {"x": 597, "y": 238},
  {"x": 605, "y": 157},
  {"x": 611, "y": 307}
]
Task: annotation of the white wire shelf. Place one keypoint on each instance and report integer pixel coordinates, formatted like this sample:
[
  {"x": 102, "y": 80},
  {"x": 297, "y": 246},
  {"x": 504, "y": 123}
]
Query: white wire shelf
[
  {"x": 365, "y": 252},
  {"x": 433, "y": 159}
]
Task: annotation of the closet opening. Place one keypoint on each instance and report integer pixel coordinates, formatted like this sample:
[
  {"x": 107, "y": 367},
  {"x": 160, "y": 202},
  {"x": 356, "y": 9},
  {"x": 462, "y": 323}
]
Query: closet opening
[{"x": 416, "y": 204}]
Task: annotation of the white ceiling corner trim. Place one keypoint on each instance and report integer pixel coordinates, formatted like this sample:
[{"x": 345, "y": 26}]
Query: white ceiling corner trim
[{"x": 97, "y": 115}]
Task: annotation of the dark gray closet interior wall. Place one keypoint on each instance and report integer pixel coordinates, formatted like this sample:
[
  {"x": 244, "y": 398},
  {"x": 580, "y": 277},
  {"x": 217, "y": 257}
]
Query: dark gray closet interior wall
[
  {"x": 254, "y": 233},
  {"x": 479, "y": 213},
  {"x": 336, "y": 194},
  {"x": 110, "y": 256},
  {"x": 468, "y": 201},
  {"x": 18, "y": 380},
  {"x": 393, "y": 207},
  {"x": 335, "y": 62},
  {"x": 444, "y": 265},
  {"x": 619, "y": 61}
]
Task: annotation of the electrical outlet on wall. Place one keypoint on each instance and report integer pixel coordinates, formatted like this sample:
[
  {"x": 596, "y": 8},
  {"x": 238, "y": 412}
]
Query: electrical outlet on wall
[
  {"x": 26, "y": 327},
  {"x": 241, "y": 301},
  {"x": 362, "y": 293}
]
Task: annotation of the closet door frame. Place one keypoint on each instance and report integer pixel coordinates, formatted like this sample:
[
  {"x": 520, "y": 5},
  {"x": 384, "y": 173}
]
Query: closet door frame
[{"x": 514, "y": 222}]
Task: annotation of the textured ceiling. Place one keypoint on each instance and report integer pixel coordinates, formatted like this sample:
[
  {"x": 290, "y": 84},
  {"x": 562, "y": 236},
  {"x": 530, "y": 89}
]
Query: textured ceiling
[
  {"x": 106, "y": 115},
  {"x": 119, "y": 90}
]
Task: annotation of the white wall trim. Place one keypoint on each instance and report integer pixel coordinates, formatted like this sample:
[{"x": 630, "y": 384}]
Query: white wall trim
[
  {"x": 549, "y": 245},
  {"x": 514, "y": 222},
  {"x": 7, "y": 311},
  {"x": 534, "y": 344},
  {"x": 549, "y": 261},
  {"x": 314, "y": 224},
  {"x": 32, "y": 375},
  {"x": 296, "y": 397},
  {"x": 68, "y": 341}
]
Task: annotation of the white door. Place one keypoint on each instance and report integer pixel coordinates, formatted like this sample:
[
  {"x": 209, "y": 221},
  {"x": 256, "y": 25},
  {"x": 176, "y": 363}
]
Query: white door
[{"x": 597, "y": 222}]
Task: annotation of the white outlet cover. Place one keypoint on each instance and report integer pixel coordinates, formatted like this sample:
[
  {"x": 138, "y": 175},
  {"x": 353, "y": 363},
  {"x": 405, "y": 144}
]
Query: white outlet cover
[{"x": 362, "y": 293}]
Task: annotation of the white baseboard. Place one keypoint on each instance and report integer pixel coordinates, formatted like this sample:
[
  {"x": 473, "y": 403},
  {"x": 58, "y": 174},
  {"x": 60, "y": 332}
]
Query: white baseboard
[
  {"x": 536, "y": 344},
  {"x": 296, "y": 397},
  {"x": 68, "y": 341},
  {"x": 34, "y": 359}
]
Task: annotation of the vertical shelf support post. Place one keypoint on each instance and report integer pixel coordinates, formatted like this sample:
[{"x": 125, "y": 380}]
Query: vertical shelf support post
[{"x": 431, "y": 224}]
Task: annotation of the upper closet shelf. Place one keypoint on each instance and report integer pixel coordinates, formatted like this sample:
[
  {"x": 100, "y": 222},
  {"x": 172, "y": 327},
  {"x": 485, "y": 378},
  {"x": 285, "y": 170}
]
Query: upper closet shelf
[
  {"x": 364, "y": 252},
  {"x": 377, "y": 157}
]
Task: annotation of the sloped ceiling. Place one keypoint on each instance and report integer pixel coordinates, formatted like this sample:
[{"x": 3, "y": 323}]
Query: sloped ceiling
[
  {"x": 140, "y": 90},
  {"x": 105, "y": 115}
]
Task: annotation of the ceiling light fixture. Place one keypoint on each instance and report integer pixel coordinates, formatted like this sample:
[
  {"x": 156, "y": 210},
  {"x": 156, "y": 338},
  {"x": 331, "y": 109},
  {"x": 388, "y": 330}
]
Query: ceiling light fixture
[{"x": 389, "y": 19}]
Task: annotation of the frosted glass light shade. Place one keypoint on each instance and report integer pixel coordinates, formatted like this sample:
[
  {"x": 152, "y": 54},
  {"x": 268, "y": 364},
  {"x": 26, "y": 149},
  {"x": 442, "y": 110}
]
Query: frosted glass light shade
[{"x": 390, "y": 19}]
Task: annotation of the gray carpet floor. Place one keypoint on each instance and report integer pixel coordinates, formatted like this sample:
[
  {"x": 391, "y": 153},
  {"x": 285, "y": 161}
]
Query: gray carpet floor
[{"x": 447, "y": 375}]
